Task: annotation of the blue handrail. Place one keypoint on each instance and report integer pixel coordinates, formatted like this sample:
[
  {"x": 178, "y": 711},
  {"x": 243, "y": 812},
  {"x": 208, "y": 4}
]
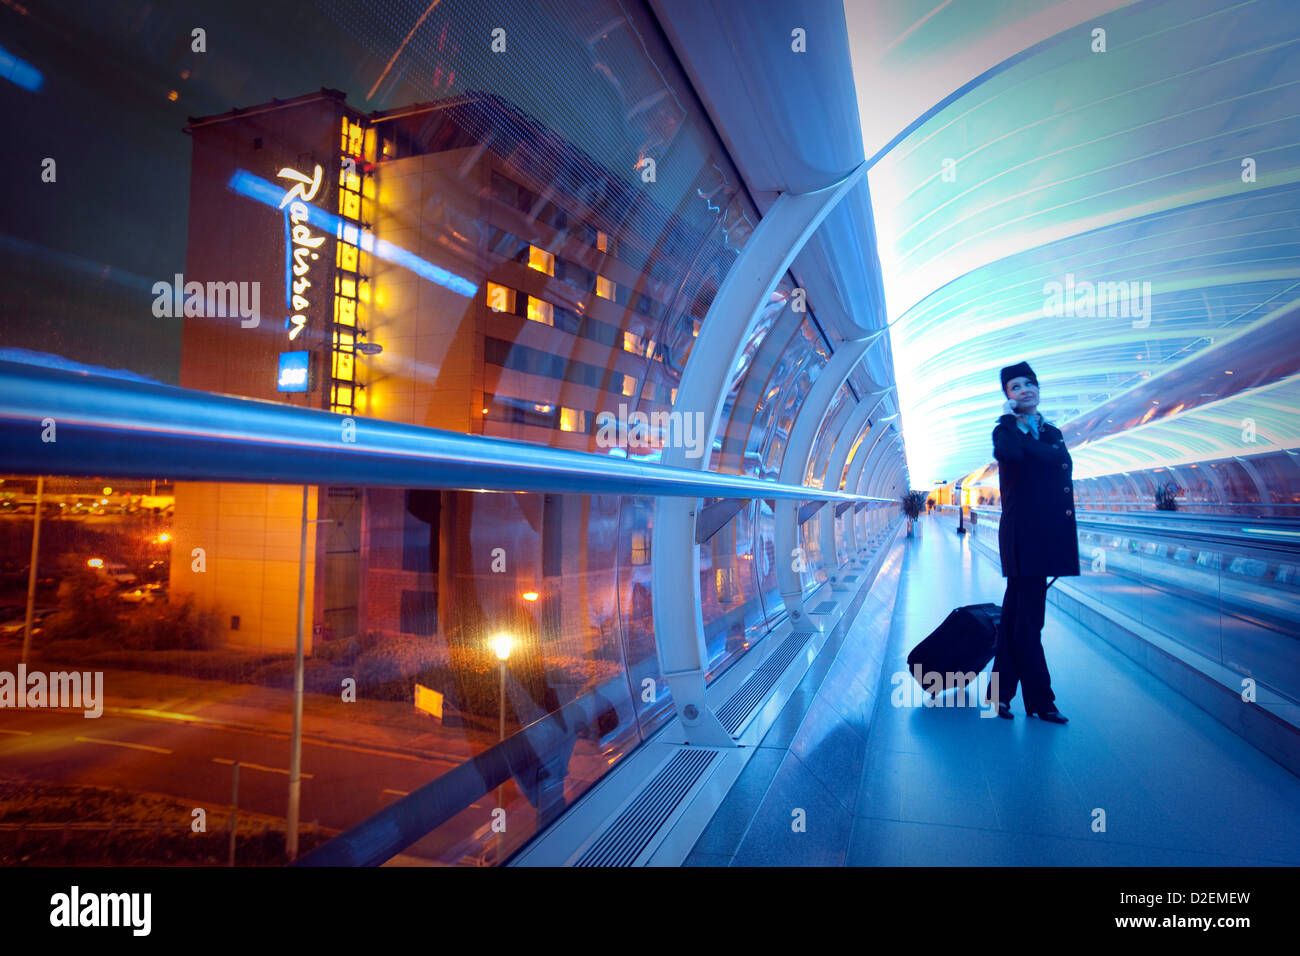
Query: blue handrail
[{"x": 104, "y": 426}]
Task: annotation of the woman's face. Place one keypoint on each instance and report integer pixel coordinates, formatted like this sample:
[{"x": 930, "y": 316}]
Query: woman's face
[{"x": 1024, "y": 393}]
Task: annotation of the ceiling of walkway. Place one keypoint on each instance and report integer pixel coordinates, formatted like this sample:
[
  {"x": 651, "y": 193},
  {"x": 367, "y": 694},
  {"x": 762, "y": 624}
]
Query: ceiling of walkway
[{"x": 1113, "y": 208}]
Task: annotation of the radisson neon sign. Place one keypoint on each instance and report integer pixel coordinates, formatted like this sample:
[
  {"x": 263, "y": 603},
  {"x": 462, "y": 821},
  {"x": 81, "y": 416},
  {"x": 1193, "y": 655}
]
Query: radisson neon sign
[{"x": 303, "y": 242}]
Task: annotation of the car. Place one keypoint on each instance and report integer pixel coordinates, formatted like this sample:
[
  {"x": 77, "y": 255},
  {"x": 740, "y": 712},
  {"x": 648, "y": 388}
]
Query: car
[
  {"x": 144, "y": 594},
  {"x": 14, "y": 626}
]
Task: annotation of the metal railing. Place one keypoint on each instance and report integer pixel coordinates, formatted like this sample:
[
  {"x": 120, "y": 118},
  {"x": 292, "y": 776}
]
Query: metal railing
[{"x": 67, "y": 423}]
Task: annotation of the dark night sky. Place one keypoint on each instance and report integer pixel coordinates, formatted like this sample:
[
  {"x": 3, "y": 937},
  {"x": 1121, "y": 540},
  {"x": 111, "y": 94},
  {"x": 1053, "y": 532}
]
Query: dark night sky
[{"x": 81, "y": 254}]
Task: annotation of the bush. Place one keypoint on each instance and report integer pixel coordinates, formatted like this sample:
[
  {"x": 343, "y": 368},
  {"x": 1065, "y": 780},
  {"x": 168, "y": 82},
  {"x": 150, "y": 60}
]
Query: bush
[
  {"x": 87, "y": 610},
  {"x": 318, "y": 677},
  {"x": 178, "y": 625},
  {"x": 225, "y": 664},
  {"x": 338, "y": 652}
]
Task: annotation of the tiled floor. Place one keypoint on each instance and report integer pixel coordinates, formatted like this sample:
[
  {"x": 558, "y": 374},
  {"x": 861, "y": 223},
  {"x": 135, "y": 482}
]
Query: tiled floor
[{"x": 945, "y": 786}]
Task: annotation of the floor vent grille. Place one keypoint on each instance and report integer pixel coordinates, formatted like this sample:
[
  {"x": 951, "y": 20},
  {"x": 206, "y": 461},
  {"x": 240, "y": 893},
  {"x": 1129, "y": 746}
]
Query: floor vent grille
[
  {"x": 636, "y": 826},
  {"x": 760, "y": 683},
  {"x": 824, "y": 608}
]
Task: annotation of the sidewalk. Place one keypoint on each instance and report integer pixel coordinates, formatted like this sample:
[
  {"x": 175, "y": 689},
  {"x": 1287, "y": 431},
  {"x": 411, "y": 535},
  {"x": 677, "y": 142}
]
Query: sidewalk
[{"x": 1172, "y": 786}]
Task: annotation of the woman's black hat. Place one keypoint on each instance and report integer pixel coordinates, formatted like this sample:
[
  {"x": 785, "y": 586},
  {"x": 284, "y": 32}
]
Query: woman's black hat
[{"x": 1014, "y": 371}]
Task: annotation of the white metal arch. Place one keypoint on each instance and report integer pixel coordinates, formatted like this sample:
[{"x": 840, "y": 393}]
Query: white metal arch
[
  {"x": 675, "y": 578},
  {"x": 852, "y": 430},
  {"x": 794, "y": 469}
]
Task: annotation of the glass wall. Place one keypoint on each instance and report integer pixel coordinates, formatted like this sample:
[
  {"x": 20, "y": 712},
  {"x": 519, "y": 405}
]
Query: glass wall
[
  {"x": 452, "y": 238},
  {"x": 1227, "y": 591},
  {"x": 1263, "y": 485}
]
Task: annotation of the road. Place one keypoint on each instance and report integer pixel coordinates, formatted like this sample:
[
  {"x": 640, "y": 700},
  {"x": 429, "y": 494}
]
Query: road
[{"x": 342, "y": 784}]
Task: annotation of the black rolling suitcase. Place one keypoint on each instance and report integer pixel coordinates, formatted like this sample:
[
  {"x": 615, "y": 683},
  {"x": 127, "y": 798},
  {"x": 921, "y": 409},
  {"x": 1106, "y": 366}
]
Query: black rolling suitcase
[{"x": 962, "y": 645}]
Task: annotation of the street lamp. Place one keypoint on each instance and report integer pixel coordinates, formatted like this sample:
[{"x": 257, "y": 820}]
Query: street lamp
[{"x": 502, "y": 644}]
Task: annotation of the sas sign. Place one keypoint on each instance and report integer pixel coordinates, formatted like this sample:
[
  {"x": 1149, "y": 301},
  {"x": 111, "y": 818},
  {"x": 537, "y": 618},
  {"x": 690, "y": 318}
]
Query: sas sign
[{"x": 295, "y": 372}]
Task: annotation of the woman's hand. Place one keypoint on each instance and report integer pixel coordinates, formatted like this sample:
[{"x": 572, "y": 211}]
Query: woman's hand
[{"x": 1010, "y": 408}]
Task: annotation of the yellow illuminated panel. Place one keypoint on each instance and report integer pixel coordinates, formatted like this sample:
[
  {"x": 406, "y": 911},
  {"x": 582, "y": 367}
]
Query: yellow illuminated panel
[
  {"x": 604, "y": 288},
  {"x": 370, "y": 145},
  {"x": 629, "y": 385},
  {"x": 500, "y": 298},
  {"x": 540, "y": 311},
  {"x": 602, "y": 241},
  {"x": 541, "y": 260},
  {"x": 343, "y": 365},
  {"x": 349, "y": 287},
  {"x": 572, "y": 420}
]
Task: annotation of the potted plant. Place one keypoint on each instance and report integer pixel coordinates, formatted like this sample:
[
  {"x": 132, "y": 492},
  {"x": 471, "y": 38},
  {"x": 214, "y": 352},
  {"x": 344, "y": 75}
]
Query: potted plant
[{"x": 912, "y": 502}]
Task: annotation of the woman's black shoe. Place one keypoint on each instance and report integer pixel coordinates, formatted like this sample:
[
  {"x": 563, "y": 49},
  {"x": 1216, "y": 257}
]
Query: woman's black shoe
[
  {"x": 1004, "y": 710},
  {"x": 1052, "y": 716}
]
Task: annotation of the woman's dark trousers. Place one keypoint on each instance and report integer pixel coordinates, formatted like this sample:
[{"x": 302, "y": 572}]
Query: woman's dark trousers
[{"x": 1019, "y": 658}]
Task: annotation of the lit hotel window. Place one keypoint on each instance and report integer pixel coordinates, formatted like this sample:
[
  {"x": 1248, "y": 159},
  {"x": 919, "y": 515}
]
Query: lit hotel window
[
  {"x": 673, "y": 399},
  {"x": 500, "y": 298},
  {"x": 604, "y": 243},
  {"x": 629, "y": 385},
  {"x": 541, "y": 260},
  {"x": 604, "y": 288},
  {"x": 345, "y": 311},
  {"x": 347, "y": 257},
  {"x": 572, "y": 420},
  {"x": 540, "y": 311},
  {"x": 350, "y": 205},
  {"x": 638, "y": 345},
  {"x": 640, "y": 548}
]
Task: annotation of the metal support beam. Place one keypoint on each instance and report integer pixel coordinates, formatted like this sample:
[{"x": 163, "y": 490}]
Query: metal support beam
[
  {"x": 874, "y": 469},
  {"x": 853, "y": 428},
  {"x": 858, "y": 474},
  {"x": 675, "y": 559},
  {"x": 794, "y": 468},
  {"x": 712, "y": 518}
]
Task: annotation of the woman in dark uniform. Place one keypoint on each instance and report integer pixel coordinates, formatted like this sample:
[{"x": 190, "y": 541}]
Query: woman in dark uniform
[{"x": 1036, "y": 539}]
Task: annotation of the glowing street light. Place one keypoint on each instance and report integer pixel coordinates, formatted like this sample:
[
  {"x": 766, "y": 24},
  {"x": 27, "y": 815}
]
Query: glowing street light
[
  {"x": 530, "y": 595},
  {"x": 95, "y": 563},
  {"x": 164, "y": 538},
  {"x": 502, "y": 644}
]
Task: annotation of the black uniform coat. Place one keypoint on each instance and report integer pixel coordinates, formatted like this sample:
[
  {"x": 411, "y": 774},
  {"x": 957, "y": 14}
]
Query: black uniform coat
[{"x": 1036, "y": 534}]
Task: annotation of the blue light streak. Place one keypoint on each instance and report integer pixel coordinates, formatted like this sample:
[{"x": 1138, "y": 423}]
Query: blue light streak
[
  {"x": 254, "y": 187},
  {"x": 20, "y": 72}
]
